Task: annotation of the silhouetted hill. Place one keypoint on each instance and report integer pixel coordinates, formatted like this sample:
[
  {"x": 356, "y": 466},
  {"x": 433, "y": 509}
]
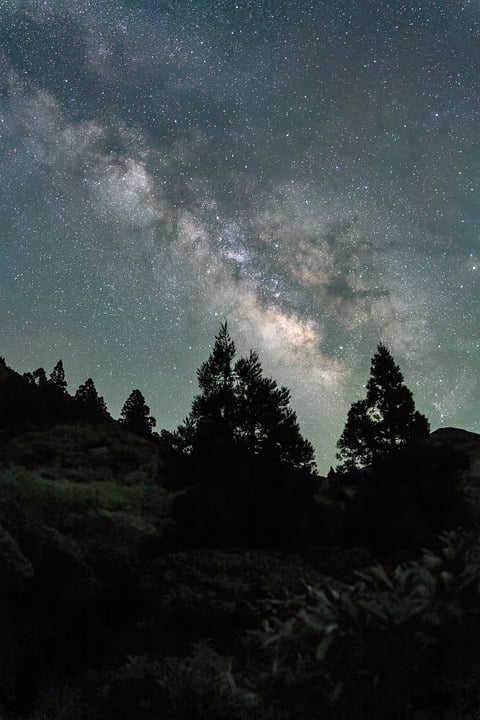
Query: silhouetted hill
[
  {"x": 463, "y": 440},
  {"x": 468, "y": 444}
]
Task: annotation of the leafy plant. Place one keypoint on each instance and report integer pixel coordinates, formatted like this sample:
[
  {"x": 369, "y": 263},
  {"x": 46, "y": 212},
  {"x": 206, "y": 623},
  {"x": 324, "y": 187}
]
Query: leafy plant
[
  {"x": 201, "y": 686},
  {"x": 383, "y": 643}
]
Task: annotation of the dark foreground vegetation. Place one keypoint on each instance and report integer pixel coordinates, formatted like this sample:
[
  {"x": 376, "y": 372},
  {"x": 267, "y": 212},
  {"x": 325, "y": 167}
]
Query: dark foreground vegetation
[{"x": 211, "y": 574}]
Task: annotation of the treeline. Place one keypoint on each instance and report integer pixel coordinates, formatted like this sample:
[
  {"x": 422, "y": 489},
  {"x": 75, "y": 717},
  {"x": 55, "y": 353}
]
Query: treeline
[
  {"x": 211, "y": 573},
  {"x": 34, "y": 397},
  {"x": 243, "y": 474}
]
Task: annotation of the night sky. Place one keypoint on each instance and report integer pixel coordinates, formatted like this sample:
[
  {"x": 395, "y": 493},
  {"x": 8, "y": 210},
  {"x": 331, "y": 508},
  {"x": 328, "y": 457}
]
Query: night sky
[{"x": 307, "y": 170}]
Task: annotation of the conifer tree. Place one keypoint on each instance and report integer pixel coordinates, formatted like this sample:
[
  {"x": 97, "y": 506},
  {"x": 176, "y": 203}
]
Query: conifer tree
[
  {"x": 265, "y": 421},
  {"x": 136, "y": 416},
  {"x": 57, "y": 377},
  {"x": 211, "y": 419},
  {"x": 384, "y": 421},
  {"x": 92, "y": 403},
  {"x": 248, "y": 472},
  {"x": 40, "y": 377},
  {"x": 240, "y": 408}
]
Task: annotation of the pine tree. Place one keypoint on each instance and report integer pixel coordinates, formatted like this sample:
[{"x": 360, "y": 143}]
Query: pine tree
[
  {"x": 211, "y": 420},
  {"x": 91, "y": 402},
  {"x": 241, "y": 409},
  {"x": 136, "y": 415},
  {"x": 265, "y": 422},
  {"x": 57, "y": 377},
  {"x": 248, "y": 471},
  {"x": 39, "y": 377},
  {"x": 384, "y": 421}
]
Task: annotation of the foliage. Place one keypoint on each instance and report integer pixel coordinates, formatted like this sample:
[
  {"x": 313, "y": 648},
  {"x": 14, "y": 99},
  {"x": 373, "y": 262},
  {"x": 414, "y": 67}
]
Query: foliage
[
  {"x": 211, "y": 593},
  {"x": 239, "y": 409},
  {"x": 248, "y": 471},
  {"x": 91, "y": 403},
  {"x": 406, "y": 500},
  {"x": 40, "y": 377},
  {"x": 111, "y": 609},
  {"x": 384, "y": 421},
  {"x": 16, "y": 568},
  {"x": 57, "y": 377},
  {"x": 22, "y": 400},
  {"x": 247, "y": 502},
  {"x": 386, "y": 642},
  {"x": 212, "y": 414},
  {"x": 34, "y": 399},
  {"x": 71, "y": 526},
  {"x": 135, "y": 415},
  {"x": 266, "y": 424},
  {"x": 201, "y": 685},
  {"x": 97, "y": 456},
  {"x": 77, "y": 700}
]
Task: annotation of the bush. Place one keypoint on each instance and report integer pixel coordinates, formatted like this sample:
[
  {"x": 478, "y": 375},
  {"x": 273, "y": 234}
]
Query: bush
[
  {"x": 387, "y": 642},
  {"x": 254, "y": 504},
  {"x": 406, "y": 500},
  {"x": 212, "y": 594},
  {"x": 200, "y": 686}
]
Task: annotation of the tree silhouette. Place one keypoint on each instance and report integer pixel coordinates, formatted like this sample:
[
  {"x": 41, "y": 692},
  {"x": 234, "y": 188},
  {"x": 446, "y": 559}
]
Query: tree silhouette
[
  {"x": 408, "y": 498},
  {"x": 265, "y": 422},
  {"x": 57, "y": 377},
  {"x": 248, "y": 470},
  {"x": 39, "y": 377},
  {"x": 384, "y": 421},
  {"x": 241, "y": 409},
  {"x": 213, "y": 411},
  {"x": 90, "y": 401},
  {"x": 136, "y": 415},
  {"x": 209, "y": 426}
]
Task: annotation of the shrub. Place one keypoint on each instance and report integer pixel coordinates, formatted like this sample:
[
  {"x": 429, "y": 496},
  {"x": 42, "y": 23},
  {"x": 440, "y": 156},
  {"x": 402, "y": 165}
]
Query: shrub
[
  {"x": 382, "y": 644},
  {"x": 200, "y": 686}
]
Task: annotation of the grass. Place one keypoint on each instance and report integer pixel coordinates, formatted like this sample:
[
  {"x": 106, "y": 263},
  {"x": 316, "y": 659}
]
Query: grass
[
  {"x": 83, "y": 453},
  {"x": 136, "y": 505},
  {"x": 79, "y": 469}
]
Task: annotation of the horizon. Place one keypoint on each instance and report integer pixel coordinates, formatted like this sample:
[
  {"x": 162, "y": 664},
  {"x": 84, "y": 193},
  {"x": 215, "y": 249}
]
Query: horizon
[{"x": 116, "y": 416}]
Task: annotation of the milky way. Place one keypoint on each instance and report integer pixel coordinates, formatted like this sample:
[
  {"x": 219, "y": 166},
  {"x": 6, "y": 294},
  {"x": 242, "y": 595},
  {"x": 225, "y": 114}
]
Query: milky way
[{"x": 307, "y": 170}]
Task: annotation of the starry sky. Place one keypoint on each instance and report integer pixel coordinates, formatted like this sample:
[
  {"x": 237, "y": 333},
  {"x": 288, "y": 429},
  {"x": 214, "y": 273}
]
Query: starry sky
[{"x": 307, "y": 170}]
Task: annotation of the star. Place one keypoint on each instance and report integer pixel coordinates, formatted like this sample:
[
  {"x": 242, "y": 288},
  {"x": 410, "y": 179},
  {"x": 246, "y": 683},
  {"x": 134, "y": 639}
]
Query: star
[{"x": 308, "y": 174}]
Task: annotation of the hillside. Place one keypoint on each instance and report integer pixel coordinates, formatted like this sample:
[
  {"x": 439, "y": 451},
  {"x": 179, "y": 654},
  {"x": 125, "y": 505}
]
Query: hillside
[
  {"x": 82, "y": 516},
  {"x": 140, "y": 579},
  {"x": 466, "y": 442},
  {"x": 99, "y": 462}
]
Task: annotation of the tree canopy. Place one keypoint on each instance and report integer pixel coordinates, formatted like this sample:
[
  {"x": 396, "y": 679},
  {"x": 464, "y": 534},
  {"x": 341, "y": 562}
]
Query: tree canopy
[
  {"x": 240, "y": 408},
  {"x": 88, "y": 398},
  {"x": 248, "y": 471},
  {"x": 385, "y": 420},
  {"x": 135, "y": 415},
  {"x": 57, "y": 377}
]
